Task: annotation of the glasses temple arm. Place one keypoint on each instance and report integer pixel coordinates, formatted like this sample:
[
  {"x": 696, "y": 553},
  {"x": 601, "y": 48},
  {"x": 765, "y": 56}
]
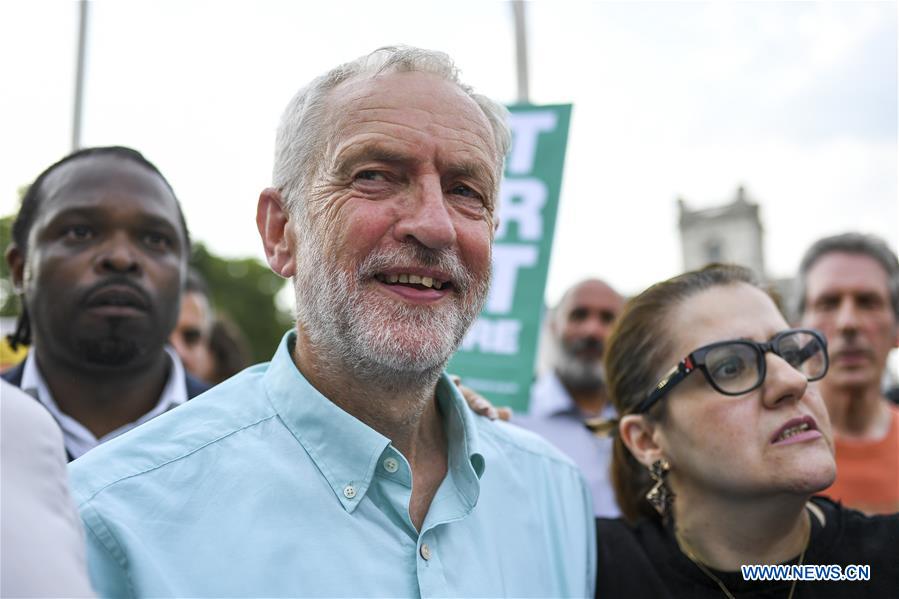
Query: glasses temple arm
[{"x": 671, "y": 378}]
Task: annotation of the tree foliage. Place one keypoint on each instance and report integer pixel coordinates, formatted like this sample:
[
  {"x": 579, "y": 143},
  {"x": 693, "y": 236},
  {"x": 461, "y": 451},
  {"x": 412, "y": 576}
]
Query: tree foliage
[{"x": 9, "y": 306}]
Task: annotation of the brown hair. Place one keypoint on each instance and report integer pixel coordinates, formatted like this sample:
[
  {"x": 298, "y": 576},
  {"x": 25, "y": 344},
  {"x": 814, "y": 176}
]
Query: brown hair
[{"x": 637, "y": 355}]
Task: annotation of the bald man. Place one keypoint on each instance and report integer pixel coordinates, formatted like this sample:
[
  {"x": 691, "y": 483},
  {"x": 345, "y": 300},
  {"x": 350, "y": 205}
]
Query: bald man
[{"x": 573, "y": 390}]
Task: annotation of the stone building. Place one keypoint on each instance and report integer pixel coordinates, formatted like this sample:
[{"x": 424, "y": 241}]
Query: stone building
[{"x": 730, "y": 233}]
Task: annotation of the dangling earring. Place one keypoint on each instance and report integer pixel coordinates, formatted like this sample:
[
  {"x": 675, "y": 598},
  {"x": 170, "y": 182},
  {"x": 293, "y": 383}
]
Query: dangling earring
[{"x": 660, "y": 496}]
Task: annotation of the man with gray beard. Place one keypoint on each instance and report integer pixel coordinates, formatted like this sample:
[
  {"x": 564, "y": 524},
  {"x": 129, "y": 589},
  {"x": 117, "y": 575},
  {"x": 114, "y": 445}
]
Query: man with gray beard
[
  {"x": 573, "y": 390},
  {"x": 350, "y": 464}
]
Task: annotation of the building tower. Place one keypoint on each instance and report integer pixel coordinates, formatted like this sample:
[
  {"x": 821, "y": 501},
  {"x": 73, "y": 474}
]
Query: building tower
[{"x": 730, "y": 233}]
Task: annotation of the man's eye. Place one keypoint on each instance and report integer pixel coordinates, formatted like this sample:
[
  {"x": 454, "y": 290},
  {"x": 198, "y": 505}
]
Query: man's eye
[
  {"x": 869, "y": 302},
  {"x": 371, "y": 176},
  {"x": 577, "y": 315},
  {"x": 827, "y": 303},
  {"x": 465, "y": 191},
  {"x": 78, "y": 232},
  {"x": 191, "y": 336},
  {"x": 157, "y": 240}
]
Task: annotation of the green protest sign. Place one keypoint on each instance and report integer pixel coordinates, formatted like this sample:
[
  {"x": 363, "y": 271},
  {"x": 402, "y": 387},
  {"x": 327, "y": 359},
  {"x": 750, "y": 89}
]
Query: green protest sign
[{"x": 497, "y": 356}]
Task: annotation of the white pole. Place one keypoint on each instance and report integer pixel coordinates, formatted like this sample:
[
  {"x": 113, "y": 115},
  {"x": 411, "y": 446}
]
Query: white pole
[
  {"x": 521, "y": 51},
  {"x": 79, "y": 75}
]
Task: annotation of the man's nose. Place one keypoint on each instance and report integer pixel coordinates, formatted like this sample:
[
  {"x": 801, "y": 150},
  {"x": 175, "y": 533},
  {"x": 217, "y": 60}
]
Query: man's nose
[
  {"x": 594, "y": 327},
  {"x": 783, "y": 383},
  {"x": 118, "y": 254},
  {"x": 426, "y": 217},
  {"x": 177, "y": 344},
  {"x": 847, "y": 316}
]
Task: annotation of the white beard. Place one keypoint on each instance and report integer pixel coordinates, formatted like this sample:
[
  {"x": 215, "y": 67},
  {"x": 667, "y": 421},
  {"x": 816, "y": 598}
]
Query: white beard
[
  {"x": 380, "y": 339},
  {"x": 574, "y": 371}
]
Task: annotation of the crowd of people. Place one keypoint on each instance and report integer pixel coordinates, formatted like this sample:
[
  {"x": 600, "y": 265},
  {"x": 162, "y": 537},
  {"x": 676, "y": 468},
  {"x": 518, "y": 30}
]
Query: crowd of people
[{"x": 353, "y": 464}]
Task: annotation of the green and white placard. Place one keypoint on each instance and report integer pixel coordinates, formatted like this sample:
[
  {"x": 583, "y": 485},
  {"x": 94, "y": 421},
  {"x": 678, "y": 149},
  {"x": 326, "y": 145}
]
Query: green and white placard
[{"x": 497, "y": 356}]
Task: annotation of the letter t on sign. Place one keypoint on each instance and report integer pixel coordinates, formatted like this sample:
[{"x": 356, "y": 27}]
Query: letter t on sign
[{"x": 526, "y": 128}]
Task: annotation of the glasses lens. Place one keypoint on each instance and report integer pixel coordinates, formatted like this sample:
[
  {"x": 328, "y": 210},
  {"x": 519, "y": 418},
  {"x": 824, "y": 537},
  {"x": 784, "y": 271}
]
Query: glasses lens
[
  {"x": 804, "y": 352},
  {"x": 734, "y": 367}
]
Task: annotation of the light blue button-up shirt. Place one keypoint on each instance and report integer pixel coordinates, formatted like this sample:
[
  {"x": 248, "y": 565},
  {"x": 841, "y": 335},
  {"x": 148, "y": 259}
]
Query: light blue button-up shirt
[
  {"x": 553, "y": 415},
  {"x": 263, "y": 487}
]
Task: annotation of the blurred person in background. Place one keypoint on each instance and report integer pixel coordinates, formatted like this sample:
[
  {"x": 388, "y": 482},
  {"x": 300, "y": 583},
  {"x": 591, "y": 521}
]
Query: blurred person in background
[
  {"x": 190, "y": 338},
  {"x": 42, "y": 539},
  {"x": 99, "y": 255},
  {"x": 228, "y": 349},
  {"x": 849, "y": 289},
  {"x": 573, "y": 390},
  {"x": 211, "y": 347},
  {"x": 350, "y": 464},
  {"x": 723, "y": 439}
]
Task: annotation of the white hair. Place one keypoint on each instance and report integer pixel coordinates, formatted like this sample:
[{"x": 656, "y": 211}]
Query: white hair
[{"x": 302, "y": 132}]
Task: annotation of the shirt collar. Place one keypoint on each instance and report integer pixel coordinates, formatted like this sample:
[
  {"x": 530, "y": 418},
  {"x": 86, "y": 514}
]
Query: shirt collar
[
  {"x": 550, "y": 398},
  {"x": 78, "y": 439},
  {"x": 347, "y": 451}
]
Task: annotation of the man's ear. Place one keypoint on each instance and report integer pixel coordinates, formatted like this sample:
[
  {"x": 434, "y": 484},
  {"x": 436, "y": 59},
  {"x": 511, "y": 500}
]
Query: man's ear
[
  {"x": 277, "y": 232},
  {"x": 552, "y": 324},
  {"x": 639, "y": 435},
  {"x": 15, "y": 259}
]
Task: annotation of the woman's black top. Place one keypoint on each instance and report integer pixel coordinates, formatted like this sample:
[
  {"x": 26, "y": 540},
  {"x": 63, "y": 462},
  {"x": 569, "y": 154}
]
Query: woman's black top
[{"x": 644, "y": 560}]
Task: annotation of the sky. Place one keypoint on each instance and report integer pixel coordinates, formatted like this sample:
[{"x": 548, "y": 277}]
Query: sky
[{"x": 796, "y": 101}]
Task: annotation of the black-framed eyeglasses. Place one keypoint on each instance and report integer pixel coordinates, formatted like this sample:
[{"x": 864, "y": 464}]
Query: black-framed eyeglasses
[{"x": 737, "y": 367}]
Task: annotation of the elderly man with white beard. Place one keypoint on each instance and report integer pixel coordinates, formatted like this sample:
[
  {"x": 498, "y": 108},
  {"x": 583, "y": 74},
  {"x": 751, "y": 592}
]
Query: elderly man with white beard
[
  {"x": 573, "y": 390},
  {"x": 350, "y": 464}
]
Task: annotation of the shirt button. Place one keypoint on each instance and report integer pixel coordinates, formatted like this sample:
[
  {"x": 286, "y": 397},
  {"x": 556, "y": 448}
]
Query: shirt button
[
  {"x": 425, "y": 551},
  {"x": 391, "y": 465},
  {"x": 349, "y": 491}
]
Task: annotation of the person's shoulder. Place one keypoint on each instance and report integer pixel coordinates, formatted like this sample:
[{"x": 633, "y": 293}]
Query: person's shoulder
[
  {"x": 850, "y": 518},
  {"x": 194, "y": 385},
  {"x": 234, "y": 405},
  {"x": 13, "y": 375},
  {"x": 510, "y": 438},
  {"x": 21, "y": 410},
  {"x": 618, "y": 532},
  {"x": 631, "y": 558},
  {"x": 865, "y": 538},
  {"x": 864, "y": 525},
  {"x": 28, "y": 430}
]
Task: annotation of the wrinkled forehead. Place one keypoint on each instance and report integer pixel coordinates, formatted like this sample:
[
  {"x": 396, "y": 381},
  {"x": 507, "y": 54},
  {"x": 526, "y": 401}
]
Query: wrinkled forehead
[
  {"x": 844, "y": 272},
  {"x": 416, "y": 101}
]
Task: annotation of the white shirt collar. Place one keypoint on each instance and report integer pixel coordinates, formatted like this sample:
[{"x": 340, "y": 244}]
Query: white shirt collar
[{"x": 78, "y": 439}]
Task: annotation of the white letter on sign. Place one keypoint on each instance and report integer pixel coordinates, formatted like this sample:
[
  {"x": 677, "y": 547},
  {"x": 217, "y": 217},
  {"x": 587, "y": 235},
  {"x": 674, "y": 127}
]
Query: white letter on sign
[
  {"x": 526, "y": 128},
  {"x": 522, "y": 200},
  {"x": 493, "y": 336},
  {"x": 507, "y": 259}
]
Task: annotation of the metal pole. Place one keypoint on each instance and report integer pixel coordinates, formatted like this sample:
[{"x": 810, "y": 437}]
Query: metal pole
[
  {"x": 79, "y": 75},
  {"x": 521, "y": 51}
]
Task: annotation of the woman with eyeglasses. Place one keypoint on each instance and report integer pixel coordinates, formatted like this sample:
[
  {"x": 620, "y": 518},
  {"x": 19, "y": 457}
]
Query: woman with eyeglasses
[{"x": 722, "y": 441}]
